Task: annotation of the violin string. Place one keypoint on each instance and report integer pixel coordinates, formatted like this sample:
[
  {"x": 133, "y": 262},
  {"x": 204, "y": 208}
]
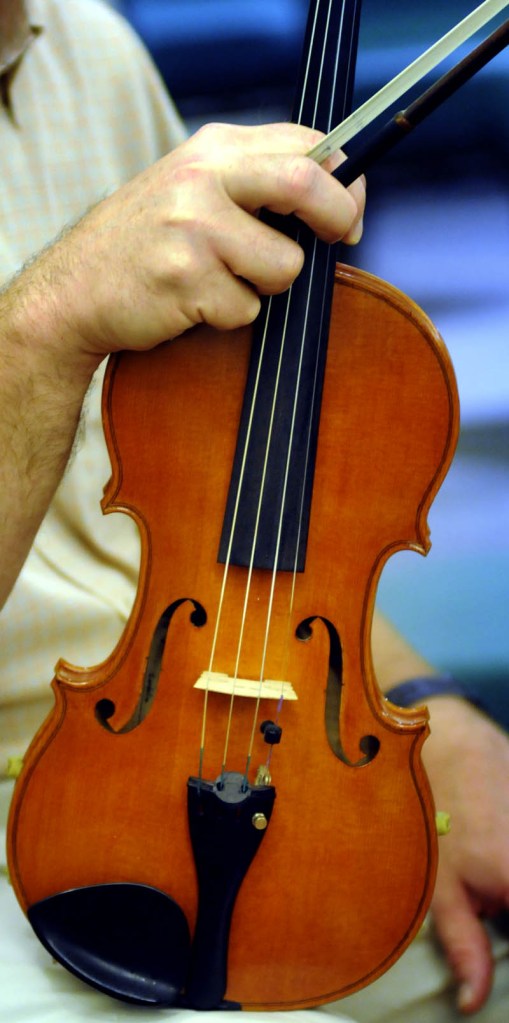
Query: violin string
[
  {"x": 232, "y": 529},
  {"x": 291, "y": 440},
  {"x": 280, "y": 522},
  {"x": 278, "y": 541},
  {"x": 308, "y": 63},
  {"x": 257, "y": 528},
  {"x": 230, "y": 544},
  {"x": 322, "y": 61},
  {"x": 293, "y": 420},
  {"x": 261, "y": 491},
  {"x": 262, "y": 487},
  {"x": 313, "y": 403},
  {"x": 351, "y": 58}
]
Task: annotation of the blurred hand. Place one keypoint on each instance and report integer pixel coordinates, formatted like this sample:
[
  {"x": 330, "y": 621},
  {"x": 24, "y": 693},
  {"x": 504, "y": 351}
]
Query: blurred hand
[{"x": 467, "y": 760}]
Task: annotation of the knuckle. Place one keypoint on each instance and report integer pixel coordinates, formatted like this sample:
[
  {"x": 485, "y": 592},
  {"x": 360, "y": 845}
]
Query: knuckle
[
  {"x": 209, "y": 135},
  {"x": 301, "y": 177},
  {"x": 182, "y": 267},
  {"x": 252, "y": 308},
  {"x": 290, "y": 267},
  {"x": 283, "y": 265},
  {"x": 234, "y": 314},
  {"x": 346, "y": 214},
  {"x": 186, "y": 178},
  {"x": 212, "y": 141}
]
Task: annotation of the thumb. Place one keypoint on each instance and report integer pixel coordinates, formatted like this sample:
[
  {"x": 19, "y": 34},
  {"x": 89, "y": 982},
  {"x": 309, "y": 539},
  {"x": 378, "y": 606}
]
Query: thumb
[{"x": 465, "y": 942}]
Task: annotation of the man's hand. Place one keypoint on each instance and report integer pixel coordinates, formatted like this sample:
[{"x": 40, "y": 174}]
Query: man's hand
[
  {"x": 467, "y": 760},
  {"x": 179, "y": 245},
  {"x": 182, "y": 244}
]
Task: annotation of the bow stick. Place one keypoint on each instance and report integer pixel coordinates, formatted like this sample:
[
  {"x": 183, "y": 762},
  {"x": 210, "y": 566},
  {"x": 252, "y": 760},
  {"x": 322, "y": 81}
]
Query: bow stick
[
  {"x": 404, "y": 81},
  {"x": 406, "y": 120}
]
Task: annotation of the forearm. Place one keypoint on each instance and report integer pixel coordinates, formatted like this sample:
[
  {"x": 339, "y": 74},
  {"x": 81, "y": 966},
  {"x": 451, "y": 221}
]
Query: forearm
[
  {"x": 43, "y": 381},
  {"x": 394, "y": 659}
]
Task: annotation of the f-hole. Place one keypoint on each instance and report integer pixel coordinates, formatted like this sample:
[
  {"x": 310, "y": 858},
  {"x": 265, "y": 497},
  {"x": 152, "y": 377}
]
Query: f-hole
[
  {"x": 105, "y": 709},
  {"x": 369, "y": 745}
]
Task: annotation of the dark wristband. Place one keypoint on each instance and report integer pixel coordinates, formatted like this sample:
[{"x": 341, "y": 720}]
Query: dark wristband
[
  {"x": 418, "y": 690},
  {"x": 491, "y": 695}
]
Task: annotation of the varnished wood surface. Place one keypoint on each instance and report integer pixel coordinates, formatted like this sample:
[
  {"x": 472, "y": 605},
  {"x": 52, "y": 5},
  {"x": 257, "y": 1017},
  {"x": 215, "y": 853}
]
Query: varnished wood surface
[{"x": 345, "y": 872}]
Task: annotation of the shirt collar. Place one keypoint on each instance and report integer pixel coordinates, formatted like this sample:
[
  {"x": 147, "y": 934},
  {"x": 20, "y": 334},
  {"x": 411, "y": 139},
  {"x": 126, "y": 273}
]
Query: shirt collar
[{"x": 16, "y": 34}]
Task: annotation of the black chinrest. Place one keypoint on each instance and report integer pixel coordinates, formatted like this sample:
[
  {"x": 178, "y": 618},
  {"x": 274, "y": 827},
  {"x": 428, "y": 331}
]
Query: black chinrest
[{"x": 129, "y": 940}]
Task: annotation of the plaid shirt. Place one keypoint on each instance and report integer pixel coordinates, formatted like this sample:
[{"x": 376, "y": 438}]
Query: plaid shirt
[{"x": 85, "y": 112}]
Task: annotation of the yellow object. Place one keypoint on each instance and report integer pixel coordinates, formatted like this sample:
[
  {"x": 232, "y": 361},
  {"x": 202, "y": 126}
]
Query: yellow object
[
  {"x": 14, "y": 765},
  {"x": 443, "y": 822}
]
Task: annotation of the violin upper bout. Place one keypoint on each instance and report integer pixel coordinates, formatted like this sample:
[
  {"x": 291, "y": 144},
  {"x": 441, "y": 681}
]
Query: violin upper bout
[{"x": 400, "y": 405}]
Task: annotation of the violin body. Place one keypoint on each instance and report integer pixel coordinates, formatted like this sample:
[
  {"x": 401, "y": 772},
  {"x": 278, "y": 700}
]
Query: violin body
[{"x": 345, "y": 873}]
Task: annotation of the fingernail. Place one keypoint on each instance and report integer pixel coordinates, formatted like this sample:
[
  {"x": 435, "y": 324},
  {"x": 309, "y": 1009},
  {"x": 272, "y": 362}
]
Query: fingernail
[
  {"x": 465, "y": 996},
  {"x": 357, "y": 232}
]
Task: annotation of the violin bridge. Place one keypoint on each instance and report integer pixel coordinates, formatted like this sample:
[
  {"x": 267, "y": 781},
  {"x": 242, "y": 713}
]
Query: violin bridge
[{"x": 269, "y": 689}]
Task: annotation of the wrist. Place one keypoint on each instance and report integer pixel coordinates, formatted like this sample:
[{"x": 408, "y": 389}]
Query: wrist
[
  {"x": 488, "y": 695},
  {"x": 37, "y": 332},
  {"x": 416, "y": 691}
]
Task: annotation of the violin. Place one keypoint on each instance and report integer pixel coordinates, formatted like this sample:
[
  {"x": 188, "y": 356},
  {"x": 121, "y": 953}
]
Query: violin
[{"x": 227, "y": 812}]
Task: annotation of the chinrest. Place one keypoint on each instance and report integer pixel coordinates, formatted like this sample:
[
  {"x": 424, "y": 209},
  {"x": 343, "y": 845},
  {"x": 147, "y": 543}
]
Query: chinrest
[{"x": 129, "y": 940}]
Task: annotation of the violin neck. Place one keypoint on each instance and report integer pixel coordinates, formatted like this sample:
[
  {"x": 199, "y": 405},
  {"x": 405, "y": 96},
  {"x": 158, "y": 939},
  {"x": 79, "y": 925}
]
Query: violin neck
[
  {"x": 325, "y": 85},
  {"x": 269, "y": 502}
]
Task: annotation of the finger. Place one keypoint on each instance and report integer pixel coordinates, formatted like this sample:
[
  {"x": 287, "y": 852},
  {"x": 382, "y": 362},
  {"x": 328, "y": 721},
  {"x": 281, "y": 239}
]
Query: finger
[
  {"x": 466, "y": 944},
  {"x": 295, "y": 184},
  {"x": 227, "y": 302},
  {"x": 354, "y": 235},
  {"x": 358, "y": 191},
  {"x": 194, "y": 285},
  {"x": 281, "y": 137},
  {"x": 257, "y": 252},
  {"x": 239, "y": 305}
]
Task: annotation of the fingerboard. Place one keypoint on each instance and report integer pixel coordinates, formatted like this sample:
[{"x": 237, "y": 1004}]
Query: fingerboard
[{"x": 266, "y": 522}]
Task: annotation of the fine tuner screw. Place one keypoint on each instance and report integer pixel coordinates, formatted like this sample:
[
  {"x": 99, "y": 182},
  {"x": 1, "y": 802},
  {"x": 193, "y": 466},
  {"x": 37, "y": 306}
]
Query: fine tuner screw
[{"x": 259, "y": 821}]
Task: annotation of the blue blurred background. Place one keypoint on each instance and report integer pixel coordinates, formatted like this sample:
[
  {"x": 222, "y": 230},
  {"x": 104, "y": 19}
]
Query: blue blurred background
[{"x": 438, "y": 228}]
